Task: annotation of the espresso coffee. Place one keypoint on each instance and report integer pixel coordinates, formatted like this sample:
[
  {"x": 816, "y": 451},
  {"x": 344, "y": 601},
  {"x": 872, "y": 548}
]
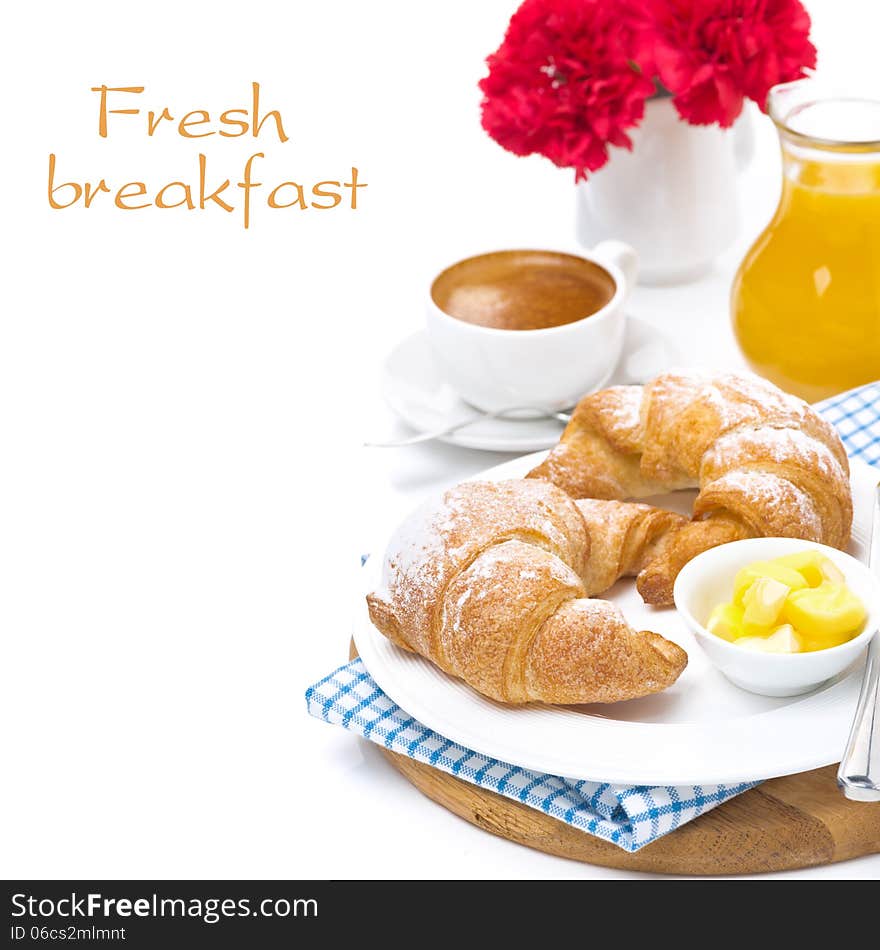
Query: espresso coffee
[{"x": 523, "y": 290}]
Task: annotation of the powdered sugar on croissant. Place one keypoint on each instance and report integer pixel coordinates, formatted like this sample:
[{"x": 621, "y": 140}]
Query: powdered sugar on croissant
[
  {"x": 765, "y": 462},
  {"x": 490, "y": 583}
]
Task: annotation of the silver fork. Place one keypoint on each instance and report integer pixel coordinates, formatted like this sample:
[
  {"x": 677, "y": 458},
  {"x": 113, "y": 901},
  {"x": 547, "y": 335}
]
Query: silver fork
[{"x": 537, "y": 412}]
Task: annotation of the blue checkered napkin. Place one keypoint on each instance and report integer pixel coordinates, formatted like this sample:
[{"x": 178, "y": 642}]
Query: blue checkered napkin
[
  {"x": 631, "y": 817},
  {"x": 628, "y": 816},
  {"x": 857, "y": 417}
]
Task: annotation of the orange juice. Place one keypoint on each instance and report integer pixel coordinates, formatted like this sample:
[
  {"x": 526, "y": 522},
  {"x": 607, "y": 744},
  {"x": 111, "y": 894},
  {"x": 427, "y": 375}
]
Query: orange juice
[{"x": 806, "y": 299}]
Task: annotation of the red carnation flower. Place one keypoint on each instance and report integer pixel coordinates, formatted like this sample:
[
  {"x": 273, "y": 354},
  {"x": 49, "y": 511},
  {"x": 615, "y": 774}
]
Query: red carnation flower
[
  {"x": 711, "y": 54},
  {"x": 563, "y": 84}
]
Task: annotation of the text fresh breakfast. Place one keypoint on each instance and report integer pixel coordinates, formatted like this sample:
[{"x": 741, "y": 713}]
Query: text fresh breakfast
[{"x": 201, "y": 190}]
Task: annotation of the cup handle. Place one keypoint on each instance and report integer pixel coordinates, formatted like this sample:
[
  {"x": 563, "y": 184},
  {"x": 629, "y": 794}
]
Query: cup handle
[{"x": 621, "y": 256}]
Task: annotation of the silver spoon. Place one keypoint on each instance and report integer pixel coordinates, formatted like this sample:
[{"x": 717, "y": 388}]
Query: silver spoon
[
  {"x": 859, "y": 772},
  {"x": 537, "y": 412}
]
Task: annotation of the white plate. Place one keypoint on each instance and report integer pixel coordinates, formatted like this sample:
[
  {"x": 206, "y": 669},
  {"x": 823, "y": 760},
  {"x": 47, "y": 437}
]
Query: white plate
[
  {"x": 414, "y": 388},
  {"x": 703, "y": 730}
]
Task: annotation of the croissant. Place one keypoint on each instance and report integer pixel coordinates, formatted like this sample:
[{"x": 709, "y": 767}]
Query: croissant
[
  {"x": 766, "y": 463},
  {"x": 490, "y": 583}
]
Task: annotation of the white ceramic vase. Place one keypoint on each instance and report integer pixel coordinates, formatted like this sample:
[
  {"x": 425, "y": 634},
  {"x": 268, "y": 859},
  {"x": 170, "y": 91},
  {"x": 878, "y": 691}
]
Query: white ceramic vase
[{"x": 673, "y": 197}]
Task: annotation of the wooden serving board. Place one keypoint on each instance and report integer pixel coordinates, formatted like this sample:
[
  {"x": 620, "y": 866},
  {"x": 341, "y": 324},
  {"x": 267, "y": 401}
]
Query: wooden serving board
[{"x": 792, "y": 822}]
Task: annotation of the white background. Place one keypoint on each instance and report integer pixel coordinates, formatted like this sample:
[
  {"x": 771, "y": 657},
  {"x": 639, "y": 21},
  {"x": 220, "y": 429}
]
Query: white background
[{"x": 183, "y": 493}]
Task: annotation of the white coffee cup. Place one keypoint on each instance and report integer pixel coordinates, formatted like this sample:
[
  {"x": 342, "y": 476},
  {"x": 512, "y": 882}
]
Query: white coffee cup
[{"x": 552, "y": 367}]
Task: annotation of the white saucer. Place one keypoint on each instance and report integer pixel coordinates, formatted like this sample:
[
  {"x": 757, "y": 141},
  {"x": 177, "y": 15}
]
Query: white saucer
[{"x": 413, "y": 387}]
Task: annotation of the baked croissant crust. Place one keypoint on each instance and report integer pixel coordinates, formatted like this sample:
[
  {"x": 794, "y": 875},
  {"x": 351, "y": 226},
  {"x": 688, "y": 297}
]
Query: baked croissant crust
[
  {"x": 491, "y": 584},
  {"x": 766, "y": 464}
]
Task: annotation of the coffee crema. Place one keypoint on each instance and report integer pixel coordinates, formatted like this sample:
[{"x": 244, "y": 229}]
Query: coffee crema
[{"x": 523, "y": 290}]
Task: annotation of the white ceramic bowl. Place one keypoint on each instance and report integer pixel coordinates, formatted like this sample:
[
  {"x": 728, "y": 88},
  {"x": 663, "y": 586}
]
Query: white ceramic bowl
[
  {"x": 553, "y": 367},
  {"x": 707, "y": 580}
]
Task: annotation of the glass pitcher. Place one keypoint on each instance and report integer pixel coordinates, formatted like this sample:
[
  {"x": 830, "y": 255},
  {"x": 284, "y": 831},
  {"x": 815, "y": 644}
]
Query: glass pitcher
[{"x": 806, "y": 299}]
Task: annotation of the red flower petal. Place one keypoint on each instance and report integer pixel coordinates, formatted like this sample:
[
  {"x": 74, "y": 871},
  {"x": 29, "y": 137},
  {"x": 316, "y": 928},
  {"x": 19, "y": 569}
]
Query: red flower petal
[
  {"x": 563, "y": 85},
  {"x": 713, "y": 53}
]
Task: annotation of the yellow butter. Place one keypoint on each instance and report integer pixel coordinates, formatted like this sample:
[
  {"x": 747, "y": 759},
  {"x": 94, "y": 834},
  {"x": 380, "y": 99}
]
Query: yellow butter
[
  {"x": 782, "y": 640},
  {"x": 763, "y": 602},
  {"x": 791, "y": 604},
  {"x": 726, "y": 621},
  {"x": 827, "y": 615},
  {"x": 814, "y": 567},
  {"x": 753, "y": 572}
]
